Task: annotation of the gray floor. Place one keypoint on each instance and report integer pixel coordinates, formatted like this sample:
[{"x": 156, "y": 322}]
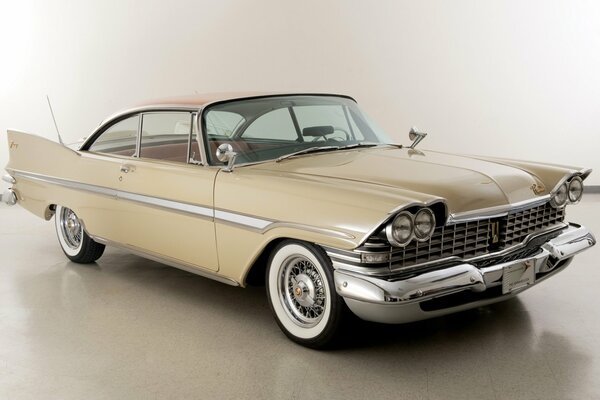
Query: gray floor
[{"x": 130, "y": 328}]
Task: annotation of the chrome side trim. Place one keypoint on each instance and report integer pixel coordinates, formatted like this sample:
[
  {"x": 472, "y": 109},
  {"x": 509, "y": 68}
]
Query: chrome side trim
[
  {"x": 260, "y": 225},
  {"x": 169, "y": 261},
  {"x": 243, "y": 220},
  {"x": 187, "y": 208},
  {"x": 9, "y": 179},
  {"x": 496, "y": 211}
]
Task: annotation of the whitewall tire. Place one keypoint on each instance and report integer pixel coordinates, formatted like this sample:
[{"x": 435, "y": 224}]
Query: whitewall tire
[
  {"x": 73, "y": 240},
  {"x": 302, "y": 295}
]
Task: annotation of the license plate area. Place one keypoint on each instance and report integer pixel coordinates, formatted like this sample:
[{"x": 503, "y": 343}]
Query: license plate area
[{"x": 518, "y": 276}]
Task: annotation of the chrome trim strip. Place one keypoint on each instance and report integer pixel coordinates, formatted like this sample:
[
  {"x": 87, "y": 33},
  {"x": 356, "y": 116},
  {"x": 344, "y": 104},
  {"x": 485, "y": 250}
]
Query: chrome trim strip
[
  {"x": 119, "y": 194},
  {"x": 9, "y": 179},
  {"x": 260, "y": 225},
  {"x": 243, "y": 220},
  {"x": 496, "y": 211},
  {"x": 168, "y": 204},
  {"x": 309, "y": 228},
  {"x": 169, "y": 261}
]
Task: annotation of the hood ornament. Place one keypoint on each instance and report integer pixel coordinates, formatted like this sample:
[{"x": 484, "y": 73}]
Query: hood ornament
[
  {"x": 538, "y": 188},
  {"x": 416, "y": 136}
]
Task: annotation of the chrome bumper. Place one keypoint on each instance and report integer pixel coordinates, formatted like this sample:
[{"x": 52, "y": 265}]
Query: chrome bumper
[{"x": 380, "y": 300}]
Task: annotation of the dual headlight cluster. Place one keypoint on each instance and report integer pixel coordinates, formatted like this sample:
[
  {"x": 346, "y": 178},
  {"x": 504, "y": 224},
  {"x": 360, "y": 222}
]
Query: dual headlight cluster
[
  {"x": 407, "y": 226},
  {"x": 570, "y": 191}
]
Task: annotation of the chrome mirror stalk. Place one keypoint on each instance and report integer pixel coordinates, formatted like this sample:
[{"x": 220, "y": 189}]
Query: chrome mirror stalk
[
  {"x": 416, "y": 136},
  {"x": 226, "y": 154}
]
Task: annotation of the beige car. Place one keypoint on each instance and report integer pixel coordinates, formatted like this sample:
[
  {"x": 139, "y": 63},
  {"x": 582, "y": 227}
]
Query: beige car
[{"x": 302, "y": 192}]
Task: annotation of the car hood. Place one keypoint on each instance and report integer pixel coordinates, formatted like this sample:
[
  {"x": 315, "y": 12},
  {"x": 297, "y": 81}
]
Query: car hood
[{"x": 465, "y": 183}]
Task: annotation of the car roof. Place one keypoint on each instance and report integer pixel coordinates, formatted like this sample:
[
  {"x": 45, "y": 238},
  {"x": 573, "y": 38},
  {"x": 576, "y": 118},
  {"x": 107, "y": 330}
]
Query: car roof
[{"x": 199, "y": 100}]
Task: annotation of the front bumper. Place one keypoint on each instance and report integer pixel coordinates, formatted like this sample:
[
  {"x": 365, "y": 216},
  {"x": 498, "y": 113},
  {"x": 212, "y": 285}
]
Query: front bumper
[{"x": 454, "y": 288}]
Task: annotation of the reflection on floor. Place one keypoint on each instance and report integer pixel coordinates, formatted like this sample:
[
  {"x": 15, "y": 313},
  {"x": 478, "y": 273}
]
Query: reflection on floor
[{"x": 131, "y": 328}]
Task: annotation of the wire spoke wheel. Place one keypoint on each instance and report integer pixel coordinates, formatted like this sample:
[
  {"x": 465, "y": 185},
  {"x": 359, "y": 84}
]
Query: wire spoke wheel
[
  {"x": 77, "y": 245},
  {"x": 302, "y": 294},
  {"x": 302, "y": 291},
  {"x": 70, "y": 227}
]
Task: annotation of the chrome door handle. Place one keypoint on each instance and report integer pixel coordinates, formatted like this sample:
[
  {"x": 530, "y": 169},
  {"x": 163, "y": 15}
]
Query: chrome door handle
[{"x": 127, "y": 168}]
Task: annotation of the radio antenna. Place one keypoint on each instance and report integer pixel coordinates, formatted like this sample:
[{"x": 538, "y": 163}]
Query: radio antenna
[{"x": 54, "y": 119}]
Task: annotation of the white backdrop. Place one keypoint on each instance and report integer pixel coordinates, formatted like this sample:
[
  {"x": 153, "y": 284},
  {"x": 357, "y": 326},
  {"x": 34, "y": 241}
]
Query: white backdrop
[{"x": 510, "y": 78}]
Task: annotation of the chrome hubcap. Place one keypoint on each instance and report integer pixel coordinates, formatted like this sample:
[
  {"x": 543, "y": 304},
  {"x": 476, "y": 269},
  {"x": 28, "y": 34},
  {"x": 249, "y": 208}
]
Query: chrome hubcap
[
  {"x": 70, "y": 228},
  {"x": 302, "y": 291}
]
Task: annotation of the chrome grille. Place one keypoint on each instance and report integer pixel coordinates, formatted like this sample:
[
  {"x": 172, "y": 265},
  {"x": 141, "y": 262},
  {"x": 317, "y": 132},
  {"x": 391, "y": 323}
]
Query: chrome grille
[
  {"x": 520, "y": 224},
  {"x": 470, "y": 239},
  {"x": 463, "y": 240}
]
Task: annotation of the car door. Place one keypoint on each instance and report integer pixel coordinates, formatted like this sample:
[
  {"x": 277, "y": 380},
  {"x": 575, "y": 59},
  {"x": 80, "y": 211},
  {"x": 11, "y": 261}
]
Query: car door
[
  {"x": 168, "y": 201},
  {"x": 95, "y": 196}
]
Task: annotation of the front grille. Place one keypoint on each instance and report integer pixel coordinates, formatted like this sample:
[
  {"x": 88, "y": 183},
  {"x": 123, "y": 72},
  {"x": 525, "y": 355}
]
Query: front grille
[
  {"x": 470, "y": 239},
  {"x": 463, "y": 240},
  {"x": 521, "y": 224}
]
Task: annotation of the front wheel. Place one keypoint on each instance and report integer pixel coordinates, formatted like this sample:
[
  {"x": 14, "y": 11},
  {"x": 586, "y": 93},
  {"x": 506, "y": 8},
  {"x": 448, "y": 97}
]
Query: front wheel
[
  {"x": 302, "y": 295},
  {"x": 75, "y": 243}
]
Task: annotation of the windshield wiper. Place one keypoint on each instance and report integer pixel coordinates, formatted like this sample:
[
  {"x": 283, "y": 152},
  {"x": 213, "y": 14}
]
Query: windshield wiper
[
  {"x": 309, "y": 150},
  {"x": 327, "y": 148}
]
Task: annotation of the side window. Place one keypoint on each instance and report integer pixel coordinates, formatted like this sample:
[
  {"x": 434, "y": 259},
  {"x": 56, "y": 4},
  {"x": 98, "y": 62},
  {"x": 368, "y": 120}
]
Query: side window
[
  {"x": 222, "y": 123},
  {"x": 277, "y": 125},
  {"x": 120, "y": 138},
  {"x": 165, "y": 136}
]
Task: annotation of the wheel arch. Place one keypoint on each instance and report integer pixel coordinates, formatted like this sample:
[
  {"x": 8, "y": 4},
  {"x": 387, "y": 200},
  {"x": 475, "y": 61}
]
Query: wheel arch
[{"x": 255, "y": 273}]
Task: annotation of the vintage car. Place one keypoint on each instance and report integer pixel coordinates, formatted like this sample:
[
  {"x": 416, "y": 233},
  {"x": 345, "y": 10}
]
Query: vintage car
[{"x": 302, "y": 192}]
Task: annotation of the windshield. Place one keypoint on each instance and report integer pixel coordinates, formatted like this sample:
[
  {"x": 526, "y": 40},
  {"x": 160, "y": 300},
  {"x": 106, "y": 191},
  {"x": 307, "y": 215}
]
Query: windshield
[{"x": 270, "y": 128}]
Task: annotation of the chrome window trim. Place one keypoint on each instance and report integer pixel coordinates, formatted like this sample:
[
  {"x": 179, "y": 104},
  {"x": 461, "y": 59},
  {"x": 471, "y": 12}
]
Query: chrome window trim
[
  {"x": 138, "y": 142},
  {"x": 200, "y": 137},
  {"x": 105, "y": 124}
]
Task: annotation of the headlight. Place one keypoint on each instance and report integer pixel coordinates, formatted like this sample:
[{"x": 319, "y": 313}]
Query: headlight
[
  {"x": 560, "y": 197},
  {"x": 400, "y": 231},
  {"x": 575, "y": 189},
  {"x": 424, "y": 224}
]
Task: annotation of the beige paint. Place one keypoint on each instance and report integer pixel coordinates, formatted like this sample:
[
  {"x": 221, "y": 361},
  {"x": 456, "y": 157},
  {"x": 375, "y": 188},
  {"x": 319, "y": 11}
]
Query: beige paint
[
  {"x": 333, "y": 199},
  {"x": 502, "y": 78}
]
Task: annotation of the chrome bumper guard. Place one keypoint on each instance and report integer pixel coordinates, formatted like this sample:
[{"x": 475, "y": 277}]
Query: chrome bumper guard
[
  {"x": 380, "y": 300},
  {"x": 9, "y": 196}
]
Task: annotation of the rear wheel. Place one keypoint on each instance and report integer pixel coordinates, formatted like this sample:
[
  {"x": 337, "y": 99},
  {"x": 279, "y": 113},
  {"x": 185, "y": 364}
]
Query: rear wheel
[
  {"x": 302, "y": 295},
  {"x": 75, "y": 243}
]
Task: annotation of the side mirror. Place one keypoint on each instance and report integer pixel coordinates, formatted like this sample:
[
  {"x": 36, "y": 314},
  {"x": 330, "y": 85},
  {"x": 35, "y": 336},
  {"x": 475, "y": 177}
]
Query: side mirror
[
  {"x": 225, "y": 154},
  {"x": 415, "y": 136}
]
